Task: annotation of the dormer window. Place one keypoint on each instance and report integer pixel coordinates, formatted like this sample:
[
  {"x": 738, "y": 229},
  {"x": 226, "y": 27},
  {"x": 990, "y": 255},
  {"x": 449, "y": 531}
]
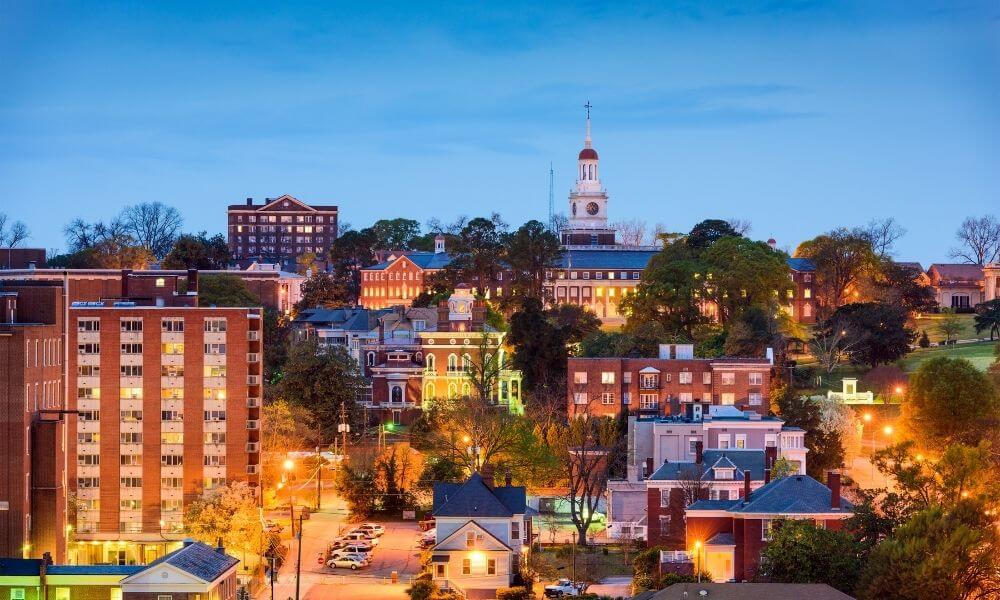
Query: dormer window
[
  {"x": 724, "y": 473},
  {"x": 419, "y": 325}
]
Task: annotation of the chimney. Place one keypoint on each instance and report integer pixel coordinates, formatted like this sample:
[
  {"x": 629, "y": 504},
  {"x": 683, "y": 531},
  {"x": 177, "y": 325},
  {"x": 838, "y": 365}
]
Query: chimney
[
  {"x": 187, "y": 542},
  {"x": 125, "y": 275},
  {"x": 487, "y": 474},
  {"x": 699, "y": 452},
  {"x": 767, "y": 476},
  {"x": 746, "y": 486},
  {"x": 649, "y": 467},
  {"x": 439, "y": 240},
  {"x": 220, "y": 548},
  {"x": 249, "y": 201},
  {"x": 507, "y": 479},
  {"x": 192, "y": 282},
  {"x": 770, "y": 456},
  {"x": 833, "y": 482}
]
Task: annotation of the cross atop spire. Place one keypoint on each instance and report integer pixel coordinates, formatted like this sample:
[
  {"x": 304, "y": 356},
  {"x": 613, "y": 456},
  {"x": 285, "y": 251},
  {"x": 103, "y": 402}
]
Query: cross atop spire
[
  {"x": 586, "y": 141},
  {"x": 588, "y": 106}
]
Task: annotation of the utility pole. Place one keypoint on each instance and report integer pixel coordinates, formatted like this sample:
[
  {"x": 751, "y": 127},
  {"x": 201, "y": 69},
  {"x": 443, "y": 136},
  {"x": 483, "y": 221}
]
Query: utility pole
[
  {"x": 298, "y": 563},
  {"x": 319, "y": 479},
  {"x": 272, "y": 559},
  {"x": 343, "y": 428}
]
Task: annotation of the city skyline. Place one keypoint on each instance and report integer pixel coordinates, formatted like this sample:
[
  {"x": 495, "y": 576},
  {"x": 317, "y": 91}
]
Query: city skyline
[{"x": 767, "y": 114}]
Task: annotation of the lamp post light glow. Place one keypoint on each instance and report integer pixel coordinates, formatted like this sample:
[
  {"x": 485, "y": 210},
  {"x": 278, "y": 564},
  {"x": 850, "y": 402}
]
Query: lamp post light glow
[
  {"x": 288, "y": 464},
  {"x": 697, "y": 558},
  {"x": 887, "y": 430}
]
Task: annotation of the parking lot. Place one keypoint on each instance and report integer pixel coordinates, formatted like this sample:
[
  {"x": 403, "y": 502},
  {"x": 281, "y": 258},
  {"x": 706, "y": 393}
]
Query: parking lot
[{"x": 396, "y": 551}]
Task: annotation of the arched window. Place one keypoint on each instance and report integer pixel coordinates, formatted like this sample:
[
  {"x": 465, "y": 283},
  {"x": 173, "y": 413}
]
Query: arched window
[
  {"x": 429, "y": 362},
  {"x": 466, "y": 362},
  {"x": 466, "y": 390},
  {"x": 452, "y": 363},
  {"x": 396, "y": 394},
  {"x": 515, "y": 390},
  {"x": 452, "y": 391},
  {"x": 429, "y": 391},
  {"x": 807, "y": 310},
  {"x": 370, "y": 359}
]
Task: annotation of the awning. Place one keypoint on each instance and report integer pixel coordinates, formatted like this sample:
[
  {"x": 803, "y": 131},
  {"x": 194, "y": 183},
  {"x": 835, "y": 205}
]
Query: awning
[{"x": 440, "y": 558}]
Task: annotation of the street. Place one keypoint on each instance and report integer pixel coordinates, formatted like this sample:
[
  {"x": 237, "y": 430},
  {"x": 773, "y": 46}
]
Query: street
[{"x": 396, "y": 551}]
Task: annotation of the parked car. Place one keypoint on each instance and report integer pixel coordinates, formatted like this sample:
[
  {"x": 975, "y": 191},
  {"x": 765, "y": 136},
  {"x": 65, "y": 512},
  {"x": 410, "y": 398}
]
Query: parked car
[
  {"x": 358, "y": 536},
  {"x": 353, "y": 549},
  {"x": 354, "y": 546},
  {"x": 428, "y": 538},
  {"x": 373, "y": 528},
  {"x": 361, "y": 556},
  {"x": 273, "y": 527},
  {"x": 346, "y": 563},
  {"x": 564, "y": 587}
]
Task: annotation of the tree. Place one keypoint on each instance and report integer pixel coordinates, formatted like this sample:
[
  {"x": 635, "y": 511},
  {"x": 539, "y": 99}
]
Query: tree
[
  {"x": 105, "y": 246},
  {"x": 751, "y": 333},
  {"x": 826, "y": 450},
  {"x": 709, "y": 231},
  {"x": 949, "y": 401},
  {"x": 539, "y": 346},
  {"x": 801, "y": 552},
  {"x": 349, "y": 253},
  {"x": 670, "y": 294},
  {"x": 939, "y": 553},
  {"x": 641, "y": 342},
  {"x": 950, "y": 324},
  {"x": 829, "y": 345},
  {"x": 574, "y": 321},
  {"x": 285, "y": 428},
  {"x": 741, "y": 274},
  {"x": 692, "y": 484},
  {"x": 988, "y": 318},
  {"x": 980, "y": 240},
  {"x": 322, "y": 379},
  {"x": 229, "y": 513},
  {"x": 477, "y": 254},
  {"x": 198, "y": 251},
  {"x": 224, "y": 290},
  {"x": 153, "y": 225},
  {"x": 877, "y": 333},
  {"x": 321, "y": 290},
  {"x": 782, "y": 467},
  {"x": 395, "y": 234},
  {"x": 902, "y": 285},
  {"x": 17, "y": 233},
  {"x": 842, "y": 259},
  {"x": 589, "y": 451},
  {"x": 530, "y": 251},
  {"x": 631, "y": 234},
  {"x": 882, "y": 234}
]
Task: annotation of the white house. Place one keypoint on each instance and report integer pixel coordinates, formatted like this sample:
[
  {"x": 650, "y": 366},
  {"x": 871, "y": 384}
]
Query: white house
[{"x": 482, "y": 533}]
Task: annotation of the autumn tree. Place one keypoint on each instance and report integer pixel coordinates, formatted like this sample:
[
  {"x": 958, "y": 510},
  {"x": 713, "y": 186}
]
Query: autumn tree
[
  {"x": 285, "y": 428},
  {"x": 843, "y": 259},
  {"x": 229, "y": 513}
]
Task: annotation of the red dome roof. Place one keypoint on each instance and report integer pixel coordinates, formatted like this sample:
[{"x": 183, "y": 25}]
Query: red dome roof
[{"x": 588, "y": 153}]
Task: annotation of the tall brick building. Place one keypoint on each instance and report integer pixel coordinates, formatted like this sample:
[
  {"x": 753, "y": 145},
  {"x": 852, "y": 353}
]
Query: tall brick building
[
  {"x": 281, "y": 229},
  {"x": 665, "y": 385},
  {"x": 32, "y": 428}
]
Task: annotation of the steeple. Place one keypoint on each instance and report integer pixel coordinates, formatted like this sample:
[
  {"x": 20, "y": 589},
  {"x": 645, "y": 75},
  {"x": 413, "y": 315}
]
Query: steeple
[
  {"x": 586, "y": 141},
  {"x": 588, "y": 202}
]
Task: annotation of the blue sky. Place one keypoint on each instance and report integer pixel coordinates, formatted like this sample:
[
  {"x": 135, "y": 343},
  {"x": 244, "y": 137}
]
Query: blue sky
[{"x": 798, "y": 116}]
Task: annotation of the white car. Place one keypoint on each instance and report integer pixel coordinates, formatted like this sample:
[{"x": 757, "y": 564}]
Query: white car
[
  {"x": 359, "y": 536},
  {"x": 564, "y": 587},
  {"x": 359, "y": 556},
  {"x": 347, "y": 563},
  {"x": 372, "y": 528}
]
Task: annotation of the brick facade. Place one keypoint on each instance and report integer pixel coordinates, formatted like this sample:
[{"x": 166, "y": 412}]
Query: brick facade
[{"x": 281, "y": 229}]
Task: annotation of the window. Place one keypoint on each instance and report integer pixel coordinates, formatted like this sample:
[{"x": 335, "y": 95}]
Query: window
[
  {"x": 215, "y": 393},
  {"x": 692, "y": 445},
  {"x": 171, "y": 482},
  {"x": 607, "y": 398},
  {"x": 215, "y": 437},
  {"x": 215, "y": 370},
  {"x": 626, "y": 398},
  {"x": 766, "y": 528},
  {"x": 92, "y": 348},
  {"x": 684, "y": 377},
  {"x": 174, "y": 505},
  {"x": 754, "y": 398},
  {"x": 172, "y": 371},
  {"x": 756, "y": 378},
  {"x": 706, "y": 378},
  {"x": 649, "y": 381},
  {"x": 728, "y": 378},
  {"x": 215, "y": 325},
  {"x": 88, "y": 482},
  {"x": 647, "y": 401},
  {"x": 172, "y": 460},
  {"x": 131, "y": 348},
  {"x": 88, "y": 393},
  {"x": 88, "y": 324},
  {"x": 515, "y": 530},
  {"x": 88, "y": 460},
  {"x": 215, "y": 415},
  {"x": 131, "y": 482},
  {"x": 741, "y": 440},
  {"x": 88, "y": 438},
  {"x": 215, "y": 348},
  {"x": 166, "y": 596},
  {"x": 214, "y": 460},
  {"x": 131, "y": 370},
  {"x": 807, "y": 293},
  {"x": 580, "y": 377},
  {"x": 88, "y": 371},
  {"x": 491, "y": 566},
  {"x": 607, "y": 377},
  {"x": 174, "y": 348},
  {"x": 172, "y": 325},
  {"x": 729, "y": 398},
  {"x": 131, "y": 324},
  {"x": 130, "y": 505},
  {"x": 724, "y": 440},
  {"x": 172, "y": 393},
  {"x": 470, "y": 539},
  {"x": 130, "y": 393},
  {"x": 466, "y": 567},
  {"x": 130, "y": 437},
  {"x": 131, "y": 415},
  {"x": 770, "y": 440},
  {"x": 171, "y": 437},
  {"x": 89, "y": 415},
  {"x": 579, "y": 398},
  {"x": 17, "y": 593},
  {"x": 62, "y": 593}
]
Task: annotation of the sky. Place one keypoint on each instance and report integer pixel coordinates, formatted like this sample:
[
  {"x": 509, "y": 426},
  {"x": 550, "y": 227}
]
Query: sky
[{"x": 798, "y": 116}]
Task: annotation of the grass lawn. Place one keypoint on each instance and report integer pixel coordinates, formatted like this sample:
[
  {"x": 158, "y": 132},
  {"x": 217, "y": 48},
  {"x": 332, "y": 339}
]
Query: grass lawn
[
  {"x": 930, "y": 322},
  {"x": 979, "y": 354}
]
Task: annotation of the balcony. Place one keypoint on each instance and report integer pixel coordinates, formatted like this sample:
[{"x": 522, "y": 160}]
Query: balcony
[
  {"x": 253, "y": 424},
  {"x": 253, "y": 447},
  {"x": 253, "y": 379},
  {"x": 253, "y": 335},
  {"x": 253, "y": 357},
  {"x": 253, "y": 402}
]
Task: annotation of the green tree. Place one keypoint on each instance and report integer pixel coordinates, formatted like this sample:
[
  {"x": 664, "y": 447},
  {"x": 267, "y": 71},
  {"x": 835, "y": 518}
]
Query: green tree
[
  {"x": 224, "y": 290},
  {"x": 530, "y": 251},
  {"x": 950, "y": 325},
  {"x": 709, "y": 231},
  {"x": 349, "y": 253},
  {"x": 949, "y": 401},
  {"x": 946, "y": 554},
  {"x": 876, "y": 333},
  {"x": 285, "y": 429},
  {"x": 322, "y": 379},
  {"x": 395, "y": 234},
  {"x": 843, "y": 259},
  {"x": 198, "y": 251},
  {"x": 229, "y": 513},
  {"x": 742, "y": 274},
  {"x": 640, "y": 342},
  {"x": 826, "y": 450},
  {"x": 574, "y": 321},
  {"x": 539, "y": 346},
  {"x": 669, "y": 294},
  {"x": 477, "y": 255},
  {"x": 901, "y": 285},
  {"x": 988, "y": 318},
  {"x": 322, "y": 290},
  {"x": 801, "y": 552},
  {"x": 751, "y": 333}
]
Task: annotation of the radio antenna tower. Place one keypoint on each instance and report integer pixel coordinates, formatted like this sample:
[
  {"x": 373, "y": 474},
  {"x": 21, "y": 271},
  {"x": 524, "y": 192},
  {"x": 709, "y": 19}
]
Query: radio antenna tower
[{"x": 552, "y": 199}]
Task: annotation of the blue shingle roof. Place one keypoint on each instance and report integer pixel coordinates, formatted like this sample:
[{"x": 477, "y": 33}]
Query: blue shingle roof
[
  {"x": 800, "y": 264},
  {"x": 424, "y": 260},
  {"x": 741, "y": 460},
  {"x": 713, "y": 504},
  {"x": 201, "y": 560},
  {"x": 792, "y": 494},
  {"x": 721, "y": 539},
  {"x": 606, "y": 259},
  {"x": 474, "y": 499}
]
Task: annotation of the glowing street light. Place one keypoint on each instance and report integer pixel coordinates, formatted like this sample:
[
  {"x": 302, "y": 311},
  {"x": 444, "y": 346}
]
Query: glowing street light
[
  {"x": 288, "y": 464},
  {"x": 697, "y": 558},
  {"x": 887, "y": 430},
  {"x": 867, "y": 417}
]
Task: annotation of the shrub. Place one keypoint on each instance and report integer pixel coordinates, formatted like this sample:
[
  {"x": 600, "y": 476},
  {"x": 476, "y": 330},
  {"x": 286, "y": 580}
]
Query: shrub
[
  {"x": 513, "y": 593},
  {"x": 422, "y": 590},
  {"x": 924, "y": 342}
]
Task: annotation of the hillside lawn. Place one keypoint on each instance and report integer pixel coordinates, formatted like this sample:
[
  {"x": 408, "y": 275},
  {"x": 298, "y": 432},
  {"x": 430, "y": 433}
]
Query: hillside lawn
[
  {"x": 980, "y": 354},
  {"x": 929, "y": 323}
]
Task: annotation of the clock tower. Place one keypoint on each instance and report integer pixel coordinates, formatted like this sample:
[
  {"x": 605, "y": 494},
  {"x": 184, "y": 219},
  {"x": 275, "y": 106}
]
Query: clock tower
[{"x": 588, "y": 201}]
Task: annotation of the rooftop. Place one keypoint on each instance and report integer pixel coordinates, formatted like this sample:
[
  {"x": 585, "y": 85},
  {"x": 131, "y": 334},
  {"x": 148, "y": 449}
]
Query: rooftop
[
  {"x": 475, "y": 499},
  {"x": 749, "y": 591},
  {"x": 795, "y": 494},
  {"x": 199, "y": 559}
]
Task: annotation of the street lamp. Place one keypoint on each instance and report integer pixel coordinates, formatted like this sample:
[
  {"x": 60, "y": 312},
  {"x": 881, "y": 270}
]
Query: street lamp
[
  {"x": 887, "y": 430},
  {"x": 288, "y": 465},
  {"x": 697, "y": 559}
]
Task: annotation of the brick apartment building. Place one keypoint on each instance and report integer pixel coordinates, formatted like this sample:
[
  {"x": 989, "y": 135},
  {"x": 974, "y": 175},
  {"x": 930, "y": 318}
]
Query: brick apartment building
[
  {"x": 163, "y": 399},
  {"x": 273, "y": 288},
  {"x": 32, "y": 492},
  {"x": 281, "y": 229},
  {"x": 423, "y": 354},
  {"x": 800, "y": 299},
  {"x": 21, "y": 258},
  {"x": 665, "y": 385}
]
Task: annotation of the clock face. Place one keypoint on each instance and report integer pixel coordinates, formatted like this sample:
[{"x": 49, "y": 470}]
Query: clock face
[
  {"x": 461, "y": 307},
  {"x": 592, "y": 208}
]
